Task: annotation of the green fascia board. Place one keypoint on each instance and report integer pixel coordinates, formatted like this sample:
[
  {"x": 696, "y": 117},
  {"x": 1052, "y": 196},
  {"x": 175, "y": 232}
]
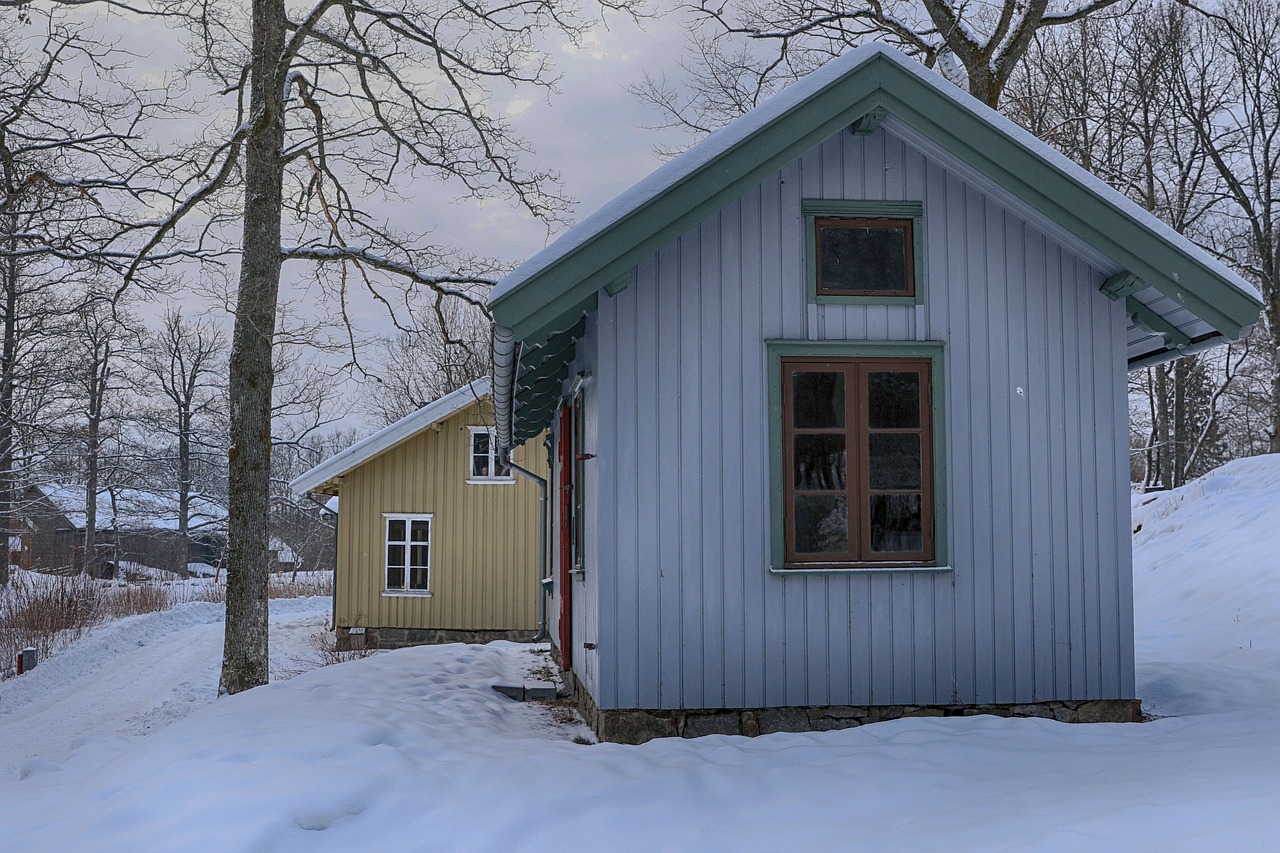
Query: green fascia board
[
  {"x": 879, "y": 82},
  {"x": 813, "y": 208},
  {"x": 606, "y": 256},
  {"x": 932, "y": 350},
  {"x": 1066, "y": 201}
]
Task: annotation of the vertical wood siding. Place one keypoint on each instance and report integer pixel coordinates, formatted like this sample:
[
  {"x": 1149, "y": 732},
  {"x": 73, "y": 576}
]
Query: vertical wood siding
[
  {"x": 1038, "y": 604},
  {"x": 484, "y": 538}
]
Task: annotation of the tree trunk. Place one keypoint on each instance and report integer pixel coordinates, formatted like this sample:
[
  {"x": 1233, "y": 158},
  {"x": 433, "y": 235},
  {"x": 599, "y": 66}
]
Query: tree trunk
[
  {"x": 9, "y": 357},
  {"x": 1181, "y": 432},
  {"x": 184, "y": 487},
  {"x": 1164, "y": 449},
  {"x": 244, "y": 657},
  {"x": 92, "y": 436},
  {"x": 1272, "y": 309}
]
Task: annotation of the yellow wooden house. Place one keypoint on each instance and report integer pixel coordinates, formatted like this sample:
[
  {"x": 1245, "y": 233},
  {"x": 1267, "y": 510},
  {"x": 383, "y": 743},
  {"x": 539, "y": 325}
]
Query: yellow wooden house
[{"x": 418, "y": 504}]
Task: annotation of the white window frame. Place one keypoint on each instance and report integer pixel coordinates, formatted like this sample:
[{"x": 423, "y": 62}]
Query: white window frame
[
  {"x": 493, "y": 460},
  {"x": 408, "y": 518}
]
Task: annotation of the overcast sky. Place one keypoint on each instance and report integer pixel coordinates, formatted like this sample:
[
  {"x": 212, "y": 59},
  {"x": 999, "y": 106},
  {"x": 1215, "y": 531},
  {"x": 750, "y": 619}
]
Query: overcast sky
[{"x": 592, "y": 131}]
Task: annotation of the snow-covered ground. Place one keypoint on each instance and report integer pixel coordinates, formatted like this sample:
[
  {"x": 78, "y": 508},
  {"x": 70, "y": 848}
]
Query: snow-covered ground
[{"x": 412, "y": 750}]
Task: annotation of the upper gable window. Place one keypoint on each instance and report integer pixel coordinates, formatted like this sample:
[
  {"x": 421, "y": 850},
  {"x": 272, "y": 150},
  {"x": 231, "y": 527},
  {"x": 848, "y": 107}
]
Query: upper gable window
[
  {"x": 485, "y": 464},
  {"x": 864, "y": 257},
  {"x": 864, "y": 251}
]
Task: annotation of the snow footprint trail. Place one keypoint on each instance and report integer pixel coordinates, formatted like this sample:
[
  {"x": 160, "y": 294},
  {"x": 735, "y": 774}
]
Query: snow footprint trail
[{"x": 131, "y": 677}]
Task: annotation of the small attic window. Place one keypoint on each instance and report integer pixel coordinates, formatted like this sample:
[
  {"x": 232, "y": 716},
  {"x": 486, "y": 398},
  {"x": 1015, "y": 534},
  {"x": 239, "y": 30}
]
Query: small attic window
[
  {"x": 864, "y": 257},
  {"x": 864, "y": 251},
  {"x": 485, "y": 466}
]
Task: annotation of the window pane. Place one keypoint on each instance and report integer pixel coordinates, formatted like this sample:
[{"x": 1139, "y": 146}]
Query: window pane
[
  {"x": 895, "y": 460},
  {"x": 896, "y": 524},
  {"x": 395, "y": 555},
  {"x": 894, "y": 400},
  {"x": 395, "y": 577},
  {"x": 818, "y": 400},
  {"x": 421, "y": 531},
  {"x": 819, "y": 462},
  {"x": 417, "y": 579},
  {"x": 417, "y": 555},
  {"x": 480, "y": 460},
  {"x": 822, "y": 524},
  {"x": 863, "y": 258},
  {"x": 395, "y": 530}
]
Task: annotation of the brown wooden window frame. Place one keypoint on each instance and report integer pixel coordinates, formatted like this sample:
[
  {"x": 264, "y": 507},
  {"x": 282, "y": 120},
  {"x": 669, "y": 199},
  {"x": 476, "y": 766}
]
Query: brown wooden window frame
[
  {"x": 905, "y": 224},
  {"x": 857, "y": 433}
]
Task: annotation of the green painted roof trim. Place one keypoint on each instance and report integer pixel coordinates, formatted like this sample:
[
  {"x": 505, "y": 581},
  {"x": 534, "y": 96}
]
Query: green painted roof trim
[
  {"x": 611, "y": 253},
  {"x": 538, "y": 301},
  {"x": 1178, "y": 272}
]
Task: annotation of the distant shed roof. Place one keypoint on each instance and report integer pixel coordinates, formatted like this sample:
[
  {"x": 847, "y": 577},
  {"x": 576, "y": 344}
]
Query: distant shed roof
[
  {"x": 1178, "y": 297},
  {"x": 321, "y": 477},
  {"x": 130, "y": 509}
]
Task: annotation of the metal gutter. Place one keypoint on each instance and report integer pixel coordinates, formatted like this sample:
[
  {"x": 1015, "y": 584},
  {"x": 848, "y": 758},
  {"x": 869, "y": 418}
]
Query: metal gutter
[
  {"x": 543, "y": 539},
  {"x": 505, "y": 346},
  {"x": 1197, "y": 345}
]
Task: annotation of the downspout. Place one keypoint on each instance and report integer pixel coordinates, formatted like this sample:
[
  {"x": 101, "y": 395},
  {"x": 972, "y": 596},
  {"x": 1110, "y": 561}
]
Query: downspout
[
  {"x": 505, "y": 348},
  {"x": 542, "y": 547}
]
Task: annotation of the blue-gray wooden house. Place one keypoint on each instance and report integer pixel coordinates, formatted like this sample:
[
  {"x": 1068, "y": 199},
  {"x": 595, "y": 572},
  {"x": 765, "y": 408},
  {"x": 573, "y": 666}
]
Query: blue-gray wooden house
[{"x": 839, "y": 412}]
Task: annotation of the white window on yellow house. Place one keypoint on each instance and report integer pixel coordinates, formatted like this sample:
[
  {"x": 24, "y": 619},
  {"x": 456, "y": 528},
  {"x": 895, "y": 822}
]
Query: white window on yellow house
[
  {"x": 485, "y": 466},
  {"x": 408, "y": 566}
]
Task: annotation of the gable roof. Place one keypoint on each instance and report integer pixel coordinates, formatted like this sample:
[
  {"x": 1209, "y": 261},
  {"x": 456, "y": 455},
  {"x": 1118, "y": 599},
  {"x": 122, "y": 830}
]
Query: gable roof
[
  {"x": 390, "y": 436},
  {"x": 1178, "y": 297}
]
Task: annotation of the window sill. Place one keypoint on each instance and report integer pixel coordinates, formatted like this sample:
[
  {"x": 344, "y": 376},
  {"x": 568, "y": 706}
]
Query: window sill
[
  {"x": 865, "y": 299},
  {"x": 491, "y": 481},
  {"x": 406, "y": 593},
  {"x": 867, "y": 568}
]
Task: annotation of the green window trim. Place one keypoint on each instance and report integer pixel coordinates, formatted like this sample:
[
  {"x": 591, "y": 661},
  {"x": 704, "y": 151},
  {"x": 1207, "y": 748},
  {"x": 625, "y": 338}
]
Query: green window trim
[
  {"x": 814, "y": 209},
  {"x": 775, "y": 351}
]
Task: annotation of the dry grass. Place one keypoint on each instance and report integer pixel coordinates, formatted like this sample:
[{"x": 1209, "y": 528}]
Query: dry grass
[
  {"x": 48, "y": 612},
  {"x": 324, "y": 651}
]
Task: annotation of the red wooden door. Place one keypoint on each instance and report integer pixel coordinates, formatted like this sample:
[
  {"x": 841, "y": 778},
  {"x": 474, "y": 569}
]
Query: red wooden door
[{"x": 564, "y": 462}]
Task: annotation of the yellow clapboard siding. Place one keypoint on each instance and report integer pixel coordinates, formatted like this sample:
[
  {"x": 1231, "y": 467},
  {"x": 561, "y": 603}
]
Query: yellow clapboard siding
[{"x": 484, "y": 538}]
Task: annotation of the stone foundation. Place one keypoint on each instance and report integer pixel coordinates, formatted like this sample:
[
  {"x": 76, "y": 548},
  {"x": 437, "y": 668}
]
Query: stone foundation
[
  {"x": 399, "y": 638},
  {"x": 636, "y": 726}
]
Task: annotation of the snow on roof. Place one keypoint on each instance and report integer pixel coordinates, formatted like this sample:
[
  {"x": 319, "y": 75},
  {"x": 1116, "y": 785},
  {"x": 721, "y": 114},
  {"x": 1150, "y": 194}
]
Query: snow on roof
[
  {"x": 390, "y": 436},
  {"x": 134, "y": 509}
]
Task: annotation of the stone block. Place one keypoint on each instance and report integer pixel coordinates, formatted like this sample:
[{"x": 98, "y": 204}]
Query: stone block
[
  {"x": 511, "y": 691},
  {"x": 634, "y": 727},
  {"x": 1105, "y": 711},
  {"x": 700, "y": 725},
  {"x": 539, "y": 690},
  {"x": 774, "y": 720},
  {"x": 749, "y": 723}
]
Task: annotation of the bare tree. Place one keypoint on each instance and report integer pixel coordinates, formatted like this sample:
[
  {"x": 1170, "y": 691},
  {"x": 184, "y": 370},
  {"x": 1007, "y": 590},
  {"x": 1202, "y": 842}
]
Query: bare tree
[
  {"x": 1232, "y": 85},
  {"x": 102, "y": 338},
  {"x": 337, "y": 105},
  {"x": 744, "y": 50},
  {"x": 449, "y": 349},
  {"x": 185, "y": 360}
]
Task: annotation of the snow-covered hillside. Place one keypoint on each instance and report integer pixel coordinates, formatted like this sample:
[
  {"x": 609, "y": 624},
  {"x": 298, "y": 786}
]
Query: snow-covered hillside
[
  {"x": 1206, "y": 566},
  {"x": 411, "y": 750}
]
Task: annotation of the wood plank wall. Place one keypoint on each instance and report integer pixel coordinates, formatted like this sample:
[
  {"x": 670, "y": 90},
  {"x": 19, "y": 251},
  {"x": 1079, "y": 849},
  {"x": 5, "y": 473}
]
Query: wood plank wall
[
  {"x": 1038, "y": 605},
  {"x": 484, "y": 538}
]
